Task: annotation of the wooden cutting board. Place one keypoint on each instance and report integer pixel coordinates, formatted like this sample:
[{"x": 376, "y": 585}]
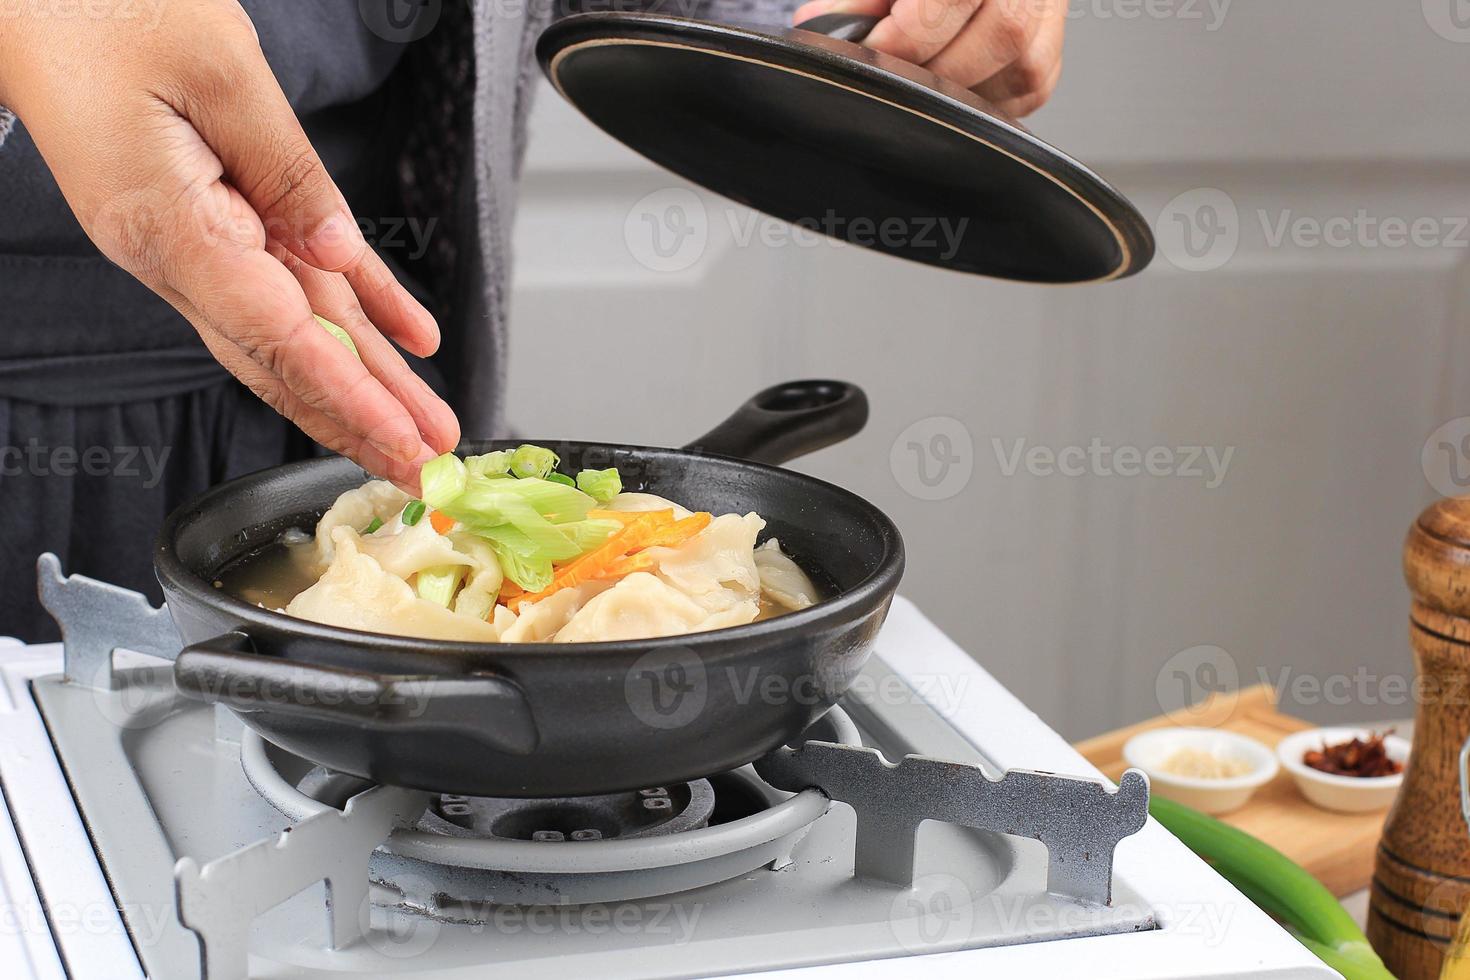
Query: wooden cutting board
[{"x": 1336, "y": 847}]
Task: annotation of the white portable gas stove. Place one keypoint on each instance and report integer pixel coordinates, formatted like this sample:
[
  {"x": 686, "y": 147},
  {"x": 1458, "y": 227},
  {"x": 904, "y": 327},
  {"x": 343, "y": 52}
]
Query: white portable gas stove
[{"x": 149, "y": 835}]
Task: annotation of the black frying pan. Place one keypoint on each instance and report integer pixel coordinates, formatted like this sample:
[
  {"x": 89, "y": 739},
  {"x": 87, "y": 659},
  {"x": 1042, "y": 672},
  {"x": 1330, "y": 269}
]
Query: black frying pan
[{"x": 523, "y": 720}]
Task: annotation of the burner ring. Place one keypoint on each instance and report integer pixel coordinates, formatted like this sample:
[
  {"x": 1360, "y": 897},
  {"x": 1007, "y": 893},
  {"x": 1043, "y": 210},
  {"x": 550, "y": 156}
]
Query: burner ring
[
  {"x": 783, "y": 817},
  {"x": 653, "y": 812}
]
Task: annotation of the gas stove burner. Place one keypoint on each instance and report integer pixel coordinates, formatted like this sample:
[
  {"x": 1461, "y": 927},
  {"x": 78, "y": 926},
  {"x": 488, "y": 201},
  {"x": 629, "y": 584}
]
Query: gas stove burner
[
  {"x": 648, "y": 812},
  {"x": 466, "y": 855},
  {"x": 651, "y": 812}
]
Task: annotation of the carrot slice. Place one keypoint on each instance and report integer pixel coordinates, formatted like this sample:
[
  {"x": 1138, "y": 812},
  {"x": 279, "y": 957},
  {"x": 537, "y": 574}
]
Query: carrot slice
[
  {"x": 626, "y": 517},
  {"x": 641, "y": 562},
  {"x": 632, "y": 537},
  {"x": 680, "y": 531},
  {"x": 442, "y": 523},
  {"x": 619, "y": 567}
]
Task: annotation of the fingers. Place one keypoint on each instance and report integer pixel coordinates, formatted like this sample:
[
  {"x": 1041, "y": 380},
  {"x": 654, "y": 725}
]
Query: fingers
[
  {"x": 330, "y": 295},
  {"x": 815, "y": 8},
  {"x": 1008, "y": 51},
  {"x": 391, "y": 307},
  {"x": 203, "y": 247},
  {"x": 237, "y": 106},
  {"x": 319, "y": 427},
  {"x": 248, "y": 297},
  {"x": 278, "y": 332},
  {"x": 1016, "y": 91},
  {"x": 917, "y": 30},
  {"x": 234, "y": 102},
  {"x": 998, "y": 34}
]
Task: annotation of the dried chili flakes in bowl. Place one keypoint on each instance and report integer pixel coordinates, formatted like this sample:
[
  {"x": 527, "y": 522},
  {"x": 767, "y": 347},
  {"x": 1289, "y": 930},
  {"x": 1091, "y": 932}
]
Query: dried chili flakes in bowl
[{"x": 1362, "y": 757}]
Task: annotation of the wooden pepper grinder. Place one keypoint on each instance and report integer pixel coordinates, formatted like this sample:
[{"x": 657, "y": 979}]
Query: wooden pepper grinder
[{"x": 1421, "y": 882}]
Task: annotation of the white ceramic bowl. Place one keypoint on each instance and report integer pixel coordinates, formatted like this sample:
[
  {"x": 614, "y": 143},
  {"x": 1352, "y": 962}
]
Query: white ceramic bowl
[
  {"x": 1347, "y": 794},
  {"x": 1150, "y": 750}
]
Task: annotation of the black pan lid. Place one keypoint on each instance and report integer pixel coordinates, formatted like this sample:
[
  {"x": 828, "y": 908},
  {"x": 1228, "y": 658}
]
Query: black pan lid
[{"x": 844, "y": 140}]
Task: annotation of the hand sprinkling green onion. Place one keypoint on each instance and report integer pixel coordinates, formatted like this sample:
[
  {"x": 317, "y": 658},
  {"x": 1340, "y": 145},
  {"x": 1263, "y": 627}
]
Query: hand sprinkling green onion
[{"x": 413, "y": 512}]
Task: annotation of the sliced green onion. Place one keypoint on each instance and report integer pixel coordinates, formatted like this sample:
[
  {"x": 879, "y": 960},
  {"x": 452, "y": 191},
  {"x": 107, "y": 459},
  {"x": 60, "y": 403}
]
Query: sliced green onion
[
  {"x": 490, "y": 464},
  {"x": 525, "y": 515},
  {"x": 528, "y": 522},
  {"x": 590, "y": 534},
  {"x": 339, "y": 333},
  {"x": 373, "y": 525},
  {"x": 506, "y": 536},
  {"x": 600, "y": 485},
  {"x": 532, "y": 461},
  {"x": 554, "y": 501},
  {"x": 529, "y": 538},
  {"x": 443, "y": 479},
  {"x": 531, "y": 574},
  {"x": 437, "y": 584},
  {"x": 476, "y": 604},
  {"x": 1282, "y": 888}
]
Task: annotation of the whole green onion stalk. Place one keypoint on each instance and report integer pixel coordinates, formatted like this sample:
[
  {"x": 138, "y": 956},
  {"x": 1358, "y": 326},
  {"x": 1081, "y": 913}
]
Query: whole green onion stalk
[{"x": 1279, "y": 886}]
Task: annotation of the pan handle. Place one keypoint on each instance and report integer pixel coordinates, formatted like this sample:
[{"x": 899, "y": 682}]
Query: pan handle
[
  {"x": 226, "y": 670},
  {"x": 843, "y": 27},
  {"x": 789, "y": 420}
]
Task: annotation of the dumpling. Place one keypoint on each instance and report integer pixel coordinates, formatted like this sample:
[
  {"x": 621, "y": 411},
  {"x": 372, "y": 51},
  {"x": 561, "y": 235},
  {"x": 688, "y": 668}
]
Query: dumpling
[
  {"x": 503, "y": 619},
  {"x": 356, "y": 509},
  {"x": 412, "y": 549},
  {"x": 356, "y": 593},
  {"x": 641, "y": 502},
  {"x": 477, "y": 597},
  {"x": 641, "y": 606},
  {"x": 782, "y": 580},
  {"x": 716, "y": 568},
  {"x": 539, "y": 621}
]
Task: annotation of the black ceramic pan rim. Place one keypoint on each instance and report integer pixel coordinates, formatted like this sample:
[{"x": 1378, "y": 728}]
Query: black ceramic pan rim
[
  {"x": 838, "y": 609},
  {"x": 870, "y": 74}
]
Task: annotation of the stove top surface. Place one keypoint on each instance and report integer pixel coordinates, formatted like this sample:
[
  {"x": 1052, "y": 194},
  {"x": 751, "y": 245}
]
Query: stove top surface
[
  {"x": 156, "y": 779},
  {"x": 165, "y": 759}
]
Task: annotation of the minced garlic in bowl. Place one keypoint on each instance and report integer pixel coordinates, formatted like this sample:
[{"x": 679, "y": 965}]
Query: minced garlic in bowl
[{"x": 1200, "y": 764}]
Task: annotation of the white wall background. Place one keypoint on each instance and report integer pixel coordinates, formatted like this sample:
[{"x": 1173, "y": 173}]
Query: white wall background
[{"x": 1322, "y": 366}]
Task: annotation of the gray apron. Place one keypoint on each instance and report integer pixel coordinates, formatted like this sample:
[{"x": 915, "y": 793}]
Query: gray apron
[{"x": 111, "y": 410}]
